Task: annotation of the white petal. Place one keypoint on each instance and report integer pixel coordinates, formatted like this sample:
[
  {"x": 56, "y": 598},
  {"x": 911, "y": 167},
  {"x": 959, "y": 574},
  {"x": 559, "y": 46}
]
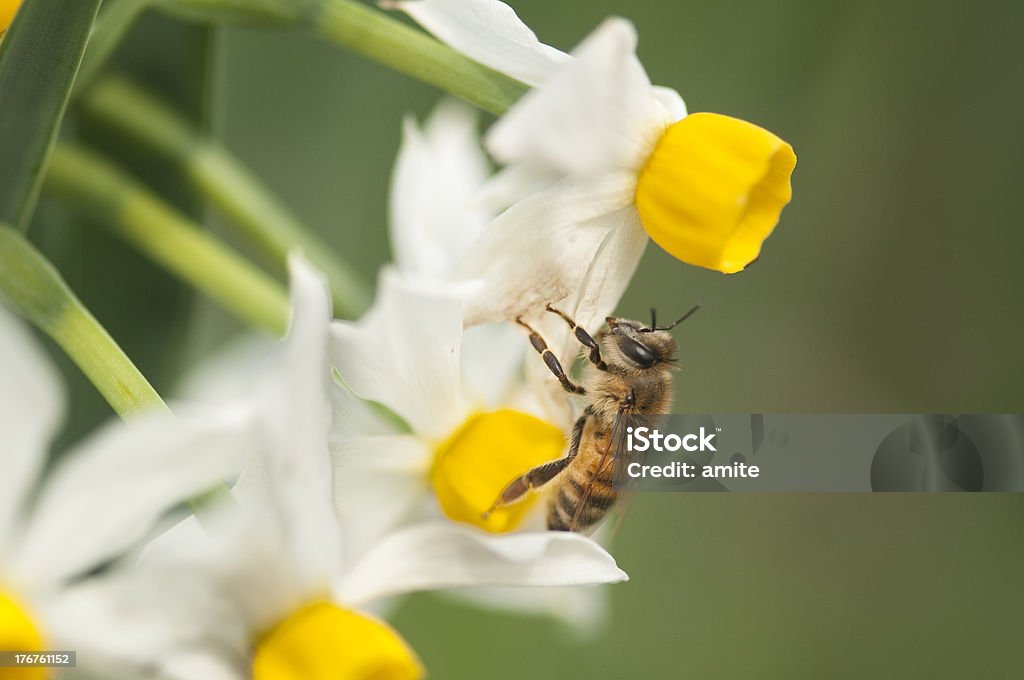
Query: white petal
[
  {"x": 437, "y": 173},
  {"x": 356, "y": 417},
  {"x": 240, "y": 555},
  {"x": 132, "y": 625},
  {"x": 31, "y": 408},
  {"x": 492, "y": 362},
  {"x": 534, "y": 398},
  {"x": 610, "y": 271},
  {"x": 379, "y": 482},
  {"x": 513, "y": 184},
  {"x": 232, "y": 371},
  {"x": 297, "y": 422},
  {"x": 675, "y": 107},
  {"x": 609, "y": 274},
  {"x": 489, "y": 32},
  {"x": 539, "y": 250},
  {"x": 597, "y": 114},
  {"x": 110, "y": 491},
  {"x": 404, "y": 354},
  {"x": 445, "y": 555}
]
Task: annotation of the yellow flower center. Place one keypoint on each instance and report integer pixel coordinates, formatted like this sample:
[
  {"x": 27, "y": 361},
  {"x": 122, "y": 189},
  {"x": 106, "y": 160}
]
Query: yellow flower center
[
  {"x": 713, "y": 189},
  {"x": 8, "y": 8},
  {"x": 321, "y": 641},
  {"x": 489, "y": 450},
  {"x": 18, "y": 633}
]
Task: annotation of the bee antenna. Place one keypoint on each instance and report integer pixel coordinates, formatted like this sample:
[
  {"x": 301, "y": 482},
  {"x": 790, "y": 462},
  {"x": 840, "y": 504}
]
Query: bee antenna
[
  {"x": 654, "y": 319},
  {"x": 678, "y": 321}
]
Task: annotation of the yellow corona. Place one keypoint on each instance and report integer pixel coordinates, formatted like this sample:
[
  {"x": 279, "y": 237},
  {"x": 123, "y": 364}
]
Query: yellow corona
[
  {"x": 473, "y": 465},
  {"x": 321, "y": 641},
  {"x": 713, "y": 189}
]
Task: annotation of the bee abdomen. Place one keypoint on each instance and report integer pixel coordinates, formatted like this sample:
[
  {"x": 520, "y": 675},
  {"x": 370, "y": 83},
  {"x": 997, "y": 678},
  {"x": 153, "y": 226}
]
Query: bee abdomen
[{"x": 565, "y": 504}]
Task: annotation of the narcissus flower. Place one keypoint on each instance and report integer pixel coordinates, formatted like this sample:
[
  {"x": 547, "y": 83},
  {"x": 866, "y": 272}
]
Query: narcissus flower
[
  {"x": 598, "y": 160},
  {"x": 270, "y": 595},
  {"x": 437, "y": 472},
  {"x": 94, "y": 506},
  {"x": 282, "y": 583},
  {"x": 469, "y": 423}
]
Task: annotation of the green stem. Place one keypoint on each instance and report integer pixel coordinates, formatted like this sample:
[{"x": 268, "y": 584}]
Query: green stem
[
  {"x": 345, "y": 23},
  {"x": 222, "y": 178},
  {"x": 384, "y": 39},
  {"x": 116, "y": 200},
  {"x": 36, "y": 290},
  {"x": 372, "y": 34}
]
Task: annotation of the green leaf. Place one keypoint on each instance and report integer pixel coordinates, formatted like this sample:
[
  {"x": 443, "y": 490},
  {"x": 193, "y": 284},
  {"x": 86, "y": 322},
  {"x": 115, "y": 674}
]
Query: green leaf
[
  {"x": 30, "y": 284},
  {"x": 39, "y": 57}
]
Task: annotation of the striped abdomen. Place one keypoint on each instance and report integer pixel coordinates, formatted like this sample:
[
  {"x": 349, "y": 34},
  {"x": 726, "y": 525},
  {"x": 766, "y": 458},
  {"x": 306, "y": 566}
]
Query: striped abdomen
[{"x": 571, "y": 499}]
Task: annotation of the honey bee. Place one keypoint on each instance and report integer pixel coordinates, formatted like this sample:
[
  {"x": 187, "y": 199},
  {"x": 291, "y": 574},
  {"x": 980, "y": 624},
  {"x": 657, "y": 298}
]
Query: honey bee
[{"x": 628, "y": 375}]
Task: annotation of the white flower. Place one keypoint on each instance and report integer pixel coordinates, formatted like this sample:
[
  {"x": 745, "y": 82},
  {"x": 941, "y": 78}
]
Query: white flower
[
  {"x": 461, "y": 446},
  {"x": 598, "y": 160},
  {"x": 92, "y": 508},
  {"x": 281, "y": 582}
]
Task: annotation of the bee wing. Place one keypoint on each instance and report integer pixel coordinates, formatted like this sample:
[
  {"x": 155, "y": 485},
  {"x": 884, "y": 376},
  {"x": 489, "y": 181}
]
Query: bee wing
[
  {"x": 614, "y": 455},
  {"x": 624, "y": 483},
  {"x": 621, "y": 507}
]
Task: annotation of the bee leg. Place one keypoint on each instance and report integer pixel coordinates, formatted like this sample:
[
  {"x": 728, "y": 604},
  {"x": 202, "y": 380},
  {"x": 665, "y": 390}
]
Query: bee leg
[
  {"x": 551, "y": 360},
  {"x": 523, "y": 484},
  {"x": 584, "y": 337},
  {"x": 540, "y": 475}
]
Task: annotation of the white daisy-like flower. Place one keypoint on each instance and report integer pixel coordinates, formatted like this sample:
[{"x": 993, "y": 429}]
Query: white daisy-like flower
[
  {"x": 89, "y": 510},
  {"x": 598, "y": 160},
  {"x": 458, "y": 446},
  {"x": 283, "y": 581}
]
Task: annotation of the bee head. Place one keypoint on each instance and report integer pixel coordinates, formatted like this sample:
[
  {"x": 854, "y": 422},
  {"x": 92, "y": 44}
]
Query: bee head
[{"x": 636, "y": 347}]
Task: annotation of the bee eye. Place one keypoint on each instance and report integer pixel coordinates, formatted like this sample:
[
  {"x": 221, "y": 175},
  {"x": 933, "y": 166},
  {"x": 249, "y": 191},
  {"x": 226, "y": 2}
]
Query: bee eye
[{"x": 639, "y": 354}]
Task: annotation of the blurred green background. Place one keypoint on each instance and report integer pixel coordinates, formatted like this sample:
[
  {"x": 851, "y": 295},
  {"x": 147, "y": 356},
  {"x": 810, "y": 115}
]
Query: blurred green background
[{"x": 893, "y": 284}]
